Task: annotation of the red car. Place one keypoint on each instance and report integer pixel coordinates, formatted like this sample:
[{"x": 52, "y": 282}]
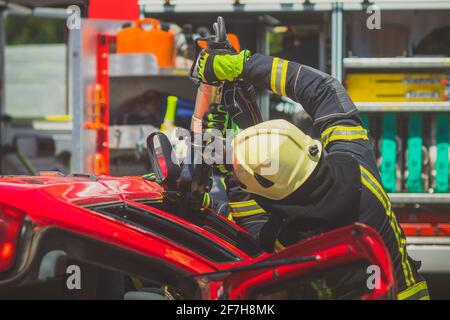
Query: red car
[{"x": 125, "y": 241}]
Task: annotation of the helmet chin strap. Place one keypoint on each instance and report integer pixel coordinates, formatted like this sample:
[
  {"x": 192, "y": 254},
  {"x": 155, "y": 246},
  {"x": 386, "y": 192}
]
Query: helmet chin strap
[
  {"x": 313, "y": 190},
  {"x": 329, "y": 199}
]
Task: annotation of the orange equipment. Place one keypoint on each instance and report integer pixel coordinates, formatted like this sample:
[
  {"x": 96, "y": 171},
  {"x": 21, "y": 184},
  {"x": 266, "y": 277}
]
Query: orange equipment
[
  {"x": 234, "y": 41},
  {"x": 95, "y": 106},
  {"x": 136, "y": 39}
]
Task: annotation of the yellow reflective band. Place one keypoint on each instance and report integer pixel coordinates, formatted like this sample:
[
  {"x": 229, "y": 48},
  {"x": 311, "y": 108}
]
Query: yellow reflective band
[
  {"x": 284, "y": 69},
  {"x": 341, "y": 128},
  {"x": 416, "y": 292},
  {"x": 206, "y": 200},
  {"x": 401, "y": 243},
  {"x": 247, "y": 213},
  {"x": 345, "y": 138},
  {"x": 377, "y": 184},
  {"x": 374, "y": 186},
  {"x": 230, "y": 216},
  {"x": 273, "y": 75},
  {"x": 241, "y": 204},
  {"x": 393, "y": 227},
  {"x": 245, "y": 208},
  {"x": 202, "y": 64},
  {"x": 278, "y": 246},
  {"x": 344, "y": 133},
  {"x": 222, "y": 180},
  {"x": 387, "y": 203}
]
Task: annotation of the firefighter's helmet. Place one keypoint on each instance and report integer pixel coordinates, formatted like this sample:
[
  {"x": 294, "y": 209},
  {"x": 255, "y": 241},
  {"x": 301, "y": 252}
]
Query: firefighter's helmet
[{"x": 274, "y": 158}]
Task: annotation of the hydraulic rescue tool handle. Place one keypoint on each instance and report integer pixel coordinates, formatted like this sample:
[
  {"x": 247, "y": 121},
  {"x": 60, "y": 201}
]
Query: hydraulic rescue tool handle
[
  {"x": 185, "y": 184},
  {"x": 220, "y": 31},
  {"x": 207, "y": 96}
]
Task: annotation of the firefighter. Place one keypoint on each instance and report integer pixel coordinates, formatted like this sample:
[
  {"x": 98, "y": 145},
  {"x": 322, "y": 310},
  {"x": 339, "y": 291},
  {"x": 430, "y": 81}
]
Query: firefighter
[{"x": 320, "y": 185}]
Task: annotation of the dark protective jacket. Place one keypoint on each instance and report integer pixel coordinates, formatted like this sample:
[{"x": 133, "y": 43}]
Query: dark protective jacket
[{"x": 336, "y": 117}]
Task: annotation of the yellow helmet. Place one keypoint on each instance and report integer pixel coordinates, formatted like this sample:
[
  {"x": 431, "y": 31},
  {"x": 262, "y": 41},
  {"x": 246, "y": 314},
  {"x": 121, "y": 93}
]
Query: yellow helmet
[{"x": 274, "y": 158}]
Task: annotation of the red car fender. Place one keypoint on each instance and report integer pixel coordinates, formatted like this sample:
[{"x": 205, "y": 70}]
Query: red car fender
[{"x": 333, "y": 249}]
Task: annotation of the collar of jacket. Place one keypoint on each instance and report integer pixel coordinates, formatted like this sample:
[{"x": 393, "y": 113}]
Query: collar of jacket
[{"x": 328, "y": 200}]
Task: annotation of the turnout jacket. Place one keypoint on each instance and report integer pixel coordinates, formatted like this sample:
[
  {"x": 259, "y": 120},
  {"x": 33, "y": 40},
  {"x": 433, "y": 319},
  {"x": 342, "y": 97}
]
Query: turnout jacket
[{"x": 336, "y": 117}]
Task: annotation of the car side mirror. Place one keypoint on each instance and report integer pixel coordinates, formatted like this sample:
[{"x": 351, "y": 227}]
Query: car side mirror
[{"x": 162, "y": 159}]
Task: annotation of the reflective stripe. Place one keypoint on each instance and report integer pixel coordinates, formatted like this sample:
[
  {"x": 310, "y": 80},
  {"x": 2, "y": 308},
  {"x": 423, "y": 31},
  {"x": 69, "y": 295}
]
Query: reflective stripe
[
  {"x": 222, "y": 181},
  {"x": 278, "y": 79},
  {"x": 206, "y": 200},
  {"x": 247, "y": 213},
  {"x": 344, "y": 137},
  {"x": 241, "y": 204},
  {"x": 341, "y": 128},
  {"x": 371, "y": 183},
  {"x": 416, "y": 292},
  {"x": 202, "y": 63},
  {"x": 245, "y": 208},
  {"x": 278, "y": 246},
  {"x": 273, "y": 75},
  {"x": 278, "y": 76},
  {"x": 336, "y": 133},
  {"x": 283, "y": 76}
]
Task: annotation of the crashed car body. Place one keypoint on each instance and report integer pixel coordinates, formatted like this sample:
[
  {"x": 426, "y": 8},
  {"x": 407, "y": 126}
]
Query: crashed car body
[{"x": 124, "y": 238}]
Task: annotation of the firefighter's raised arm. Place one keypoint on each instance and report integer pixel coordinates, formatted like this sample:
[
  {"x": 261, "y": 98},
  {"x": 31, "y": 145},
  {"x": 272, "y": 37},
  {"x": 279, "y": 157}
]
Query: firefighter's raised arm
[{"x": 322, "y": 96}]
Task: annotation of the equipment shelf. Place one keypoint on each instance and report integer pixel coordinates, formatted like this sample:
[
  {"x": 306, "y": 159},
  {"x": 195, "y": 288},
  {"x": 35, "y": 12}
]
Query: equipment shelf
[
  {"x": 140, "y": 65},
  {"x": 438, "y": 106},
  {"x": 184, "y": 6},
  {"x": 397, "y": 63},
  {"x": 419, "y": 198}
]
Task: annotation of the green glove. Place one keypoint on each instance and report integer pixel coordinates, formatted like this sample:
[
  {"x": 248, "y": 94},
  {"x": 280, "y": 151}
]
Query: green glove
[
  {"x": 217, "y": 119},
  {"x": 150, "y": 177},
  {"x": 213, "y": 67}
]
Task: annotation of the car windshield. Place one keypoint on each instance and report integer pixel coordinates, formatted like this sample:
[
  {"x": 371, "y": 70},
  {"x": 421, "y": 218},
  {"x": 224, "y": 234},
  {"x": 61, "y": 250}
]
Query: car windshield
[
  {"x": 167, "y": 229},
  {"x": 211, "y": 222}
]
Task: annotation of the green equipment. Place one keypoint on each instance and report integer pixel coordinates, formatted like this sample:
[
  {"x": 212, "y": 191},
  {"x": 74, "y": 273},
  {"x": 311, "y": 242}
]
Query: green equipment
[
  {"x": 414, "y": 163},
  {"x": 389, "y": 153},
  {"x": 442, "y": 158}
]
